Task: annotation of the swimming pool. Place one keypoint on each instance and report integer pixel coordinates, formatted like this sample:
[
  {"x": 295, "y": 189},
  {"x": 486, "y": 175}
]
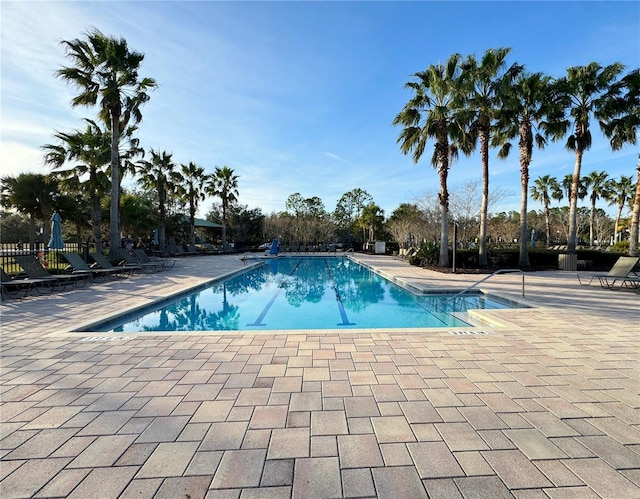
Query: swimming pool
[{"x": 305, "y": 293}]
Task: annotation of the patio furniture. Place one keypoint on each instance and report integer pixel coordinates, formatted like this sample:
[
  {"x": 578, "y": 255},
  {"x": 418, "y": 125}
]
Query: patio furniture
[
  {"x": 621, "y": 270},
  {"x": 14, "y": 287},
  {"x": 142, "y": 257},
  {"x": 104, "y": 263},
  {"x": 79, "y": 265},
  {"x": 35, "y": 270}
]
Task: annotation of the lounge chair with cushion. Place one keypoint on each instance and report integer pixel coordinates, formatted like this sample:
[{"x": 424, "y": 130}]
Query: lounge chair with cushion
[
  {"x": 104, "y": 263},
  {"x": 79, "y": 265},
  {"x": 35, "y": 270},
  {"x": 142, "y": 257},
  {"x": 622, "y": 270},
  {"x": 19, "y": 288}
]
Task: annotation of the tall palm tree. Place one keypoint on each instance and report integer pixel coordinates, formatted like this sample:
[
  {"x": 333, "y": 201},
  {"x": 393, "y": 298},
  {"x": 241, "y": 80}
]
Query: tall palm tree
[
  {"x": 543, "y": 190},
  {"x": 597, "y": 181},
  {"x": 91, "y": 149},
  {"x": 567, "y": 187},
  {"x": 434, "y": 113},
  {"x": 484, "y": 80},
  {"x": 635, "y": 218},
  {"x": 191, "y": 190},
  {"x": 371, "y": 220},
  {"x": 589, "y": 92},
  {"x": 223, "y": 184},
  {"x": 619, "y": 193},
  {"x": 159, "y": 175},
  {"x": 105, "y": 71},
  {"x": 531, "y": 112},
  {"x": 622, "y": 128}
]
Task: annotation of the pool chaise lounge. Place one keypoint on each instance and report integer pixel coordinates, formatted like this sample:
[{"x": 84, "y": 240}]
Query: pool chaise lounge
[
  {"x": 104, "y": 263},
  {"x": 130, "y": 259},
  {"x": 79, "y": 265},
  {"x": 142, "y": 257},
  {"x": 15, "y": 287},
  {"x": 622, "y": 270},
  {"x": 35, "y": 270}
]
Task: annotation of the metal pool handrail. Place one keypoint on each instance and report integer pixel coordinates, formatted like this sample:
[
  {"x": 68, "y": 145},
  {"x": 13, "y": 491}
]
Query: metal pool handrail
[{"x": 499, "y": 271}]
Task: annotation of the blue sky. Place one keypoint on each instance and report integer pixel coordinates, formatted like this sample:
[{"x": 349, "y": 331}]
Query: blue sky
[{"x": 300, "y": 96}]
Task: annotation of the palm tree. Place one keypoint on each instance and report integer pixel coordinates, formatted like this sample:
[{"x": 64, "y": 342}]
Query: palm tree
[
  {"x": 91, "y": 148},
  {"x": 531, "y": 112},
  {"x": 434, "y": 113},
  {"x": 620, "y": 193},
  {"x": 223, "y": 184},
  {"x": 635, "y": 218},
  {"x": 622, "y": 128},
  {"x": 34, "y": 195},
  {"x": 543, "y": 190},
  {"x": 191, "y": 191},
  {"x": 371, "y": 220},
  {"x": 105, "y": 71},
  {"x": 597, "y": 181},
  {"x": 589, "y": 91},
  {"x": 159, "y": 175},
  {"x": 483, "y": 83}
]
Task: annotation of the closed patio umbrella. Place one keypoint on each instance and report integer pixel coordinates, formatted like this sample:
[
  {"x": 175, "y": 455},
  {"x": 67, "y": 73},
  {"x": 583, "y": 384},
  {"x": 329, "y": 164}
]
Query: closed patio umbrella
[{"x": 56, "y": 241}]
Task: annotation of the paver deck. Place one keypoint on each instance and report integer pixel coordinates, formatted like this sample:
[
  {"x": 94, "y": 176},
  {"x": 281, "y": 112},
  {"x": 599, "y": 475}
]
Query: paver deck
[{"x": 543, "y": 403}]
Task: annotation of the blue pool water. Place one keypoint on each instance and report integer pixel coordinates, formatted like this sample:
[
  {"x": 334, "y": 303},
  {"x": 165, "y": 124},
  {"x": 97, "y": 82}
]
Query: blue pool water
[{"x": 305, "y": 293}]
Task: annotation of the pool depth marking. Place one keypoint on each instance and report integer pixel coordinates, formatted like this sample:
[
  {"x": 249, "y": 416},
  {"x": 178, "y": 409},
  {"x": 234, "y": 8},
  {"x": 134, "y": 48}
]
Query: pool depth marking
[
  {"x": 343, "y": 312},
  {"x": 267, "y": 307}
]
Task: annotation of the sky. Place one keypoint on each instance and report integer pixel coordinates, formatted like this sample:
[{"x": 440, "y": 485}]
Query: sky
[{"x": 299, "y": 97}]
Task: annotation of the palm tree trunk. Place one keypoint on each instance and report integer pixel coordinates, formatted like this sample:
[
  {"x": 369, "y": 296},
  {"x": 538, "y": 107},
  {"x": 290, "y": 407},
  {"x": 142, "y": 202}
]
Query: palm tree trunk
[
  {"x": 114, "y": 229},
  {"x": 96, "y": 219},
  {"x": 524, "y": 248},
  {"x": 482, "y": 243},
  {"x": 633, "y": 237},
  {"x": 618, "y": 216},
  {"x": 573, "y": 204},
  {"x": 592, "y": 221},
  {"x": 444, "y": 227},
  {"x": 224, "y": 227},
  {"x": 192, "y": 220},
  {"x": 547, "y": 221},
  {"x": 162, "y": 232}
]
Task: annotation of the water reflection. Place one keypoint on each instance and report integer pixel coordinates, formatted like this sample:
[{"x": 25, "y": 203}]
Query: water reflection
[{"x": 246, "y": 298}]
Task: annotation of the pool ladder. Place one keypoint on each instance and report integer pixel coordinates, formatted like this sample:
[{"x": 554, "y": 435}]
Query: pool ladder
[{"x": 499, "y": 271}]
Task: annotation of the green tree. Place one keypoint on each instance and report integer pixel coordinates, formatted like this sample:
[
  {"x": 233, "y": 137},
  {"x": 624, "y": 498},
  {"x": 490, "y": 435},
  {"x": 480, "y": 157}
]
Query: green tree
[
  {"x": 621, "y": 128},
  {"x": 589, "y": 92},
  {"x": 14, "y": 228},
  {"x": 635, "y": 218},
  {"x": 90, "y": 150},
  {"x": 620, "y": 193},
  {"x": 223, "y": 184},
  {"x": 371, "y": 220},
  {"x": 190, "y": 190},
  {"x": 348, "y": 209},
  {"x": 530, "y": 111},
  {"x": 33, "y": 195},
  {"x": 434, "y": 113},
  {"x": 484, "y": 84},
  {"x": 159, "y": 175},
  {"x": 543, "y": 190},
  {"x": 597, "y": 181},
  {"x": 105, "y": 71}
]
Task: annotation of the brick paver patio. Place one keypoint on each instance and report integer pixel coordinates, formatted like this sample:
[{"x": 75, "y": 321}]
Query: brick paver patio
[{"x": 544, "y": 403}]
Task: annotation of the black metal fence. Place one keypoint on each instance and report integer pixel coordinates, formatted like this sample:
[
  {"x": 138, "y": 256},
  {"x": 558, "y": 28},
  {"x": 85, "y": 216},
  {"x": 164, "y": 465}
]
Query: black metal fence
[{"x": 49, "y": 258}]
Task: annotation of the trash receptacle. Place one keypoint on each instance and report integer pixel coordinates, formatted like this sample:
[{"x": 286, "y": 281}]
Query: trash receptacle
[{"x": 568, "y": 261}]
